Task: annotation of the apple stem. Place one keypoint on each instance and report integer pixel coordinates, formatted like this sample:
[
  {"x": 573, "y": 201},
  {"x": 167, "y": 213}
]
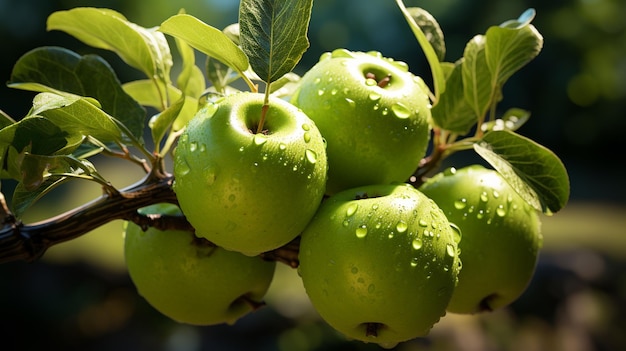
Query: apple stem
[
  {"x": 264, "y": 109},
  {"x": 371, "y": 329}
]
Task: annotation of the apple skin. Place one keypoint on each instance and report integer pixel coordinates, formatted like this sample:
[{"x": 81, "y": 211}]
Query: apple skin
[
  {"x": 249, "y": 192},
  {"x": 375, "y": 135},
  {"x": 383, "y": 255},
  {"x": 190, "y": 282},
  {"x": 501, "y": 236}
]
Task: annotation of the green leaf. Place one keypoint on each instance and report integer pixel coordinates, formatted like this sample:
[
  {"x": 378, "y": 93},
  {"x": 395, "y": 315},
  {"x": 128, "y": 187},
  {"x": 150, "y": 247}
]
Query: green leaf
[
  {"x": 190, "y": 80},
  {"x": 162, "y": 122},
  {"x": 75, "y": 115},
  {"x": 512, "y": 119},
  {"x": 106, "y": 29},
  {"x": 219, "y": 74},
  {"x": 55, "y": 69},
  {"x": 429, "y": 25},
  {"x": 430, "y": 53},
  {"x": 36, "y": 168},
  {"x": 285, "y": 85},
  {"x": 453, "y": 113},
  {"x": 274, "y": 34},
  {"x": 5, "y": 119},
  {"x": 534, "y": 171},
  {"x": 507, "y": 49},
  {"x": 207, "y": 39},
  {"x": 476, "y": 76},
  {"x": 23, "y": 198}
]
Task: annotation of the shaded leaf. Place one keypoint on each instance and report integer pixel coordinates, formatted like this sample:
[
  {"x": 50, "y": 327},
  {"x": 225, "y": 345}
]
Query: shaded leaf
[
  {"x": 274, "y": 35},
  {"x": 219, "y": 74},
  {"x": 23, "y": 198},
  {"x": 453, "y": 113},
  {"x": 55, "y": 69},
  {"x": 162, "y": 122},
  {"x": 534, "y": 171}
]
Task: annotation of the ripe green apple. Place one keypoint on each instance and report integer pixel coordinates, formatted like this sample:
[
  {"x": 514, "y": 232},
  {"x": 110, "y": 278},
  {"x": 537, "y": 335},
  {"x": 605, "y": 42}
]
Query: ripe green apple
[
  {"x": 500, "y": 241},
  {"x": 374, "y": 114},
  {"x": 379, "y": 263},
  {"x": 188, "y": 279},
  {"x": 246, "y": 191}
]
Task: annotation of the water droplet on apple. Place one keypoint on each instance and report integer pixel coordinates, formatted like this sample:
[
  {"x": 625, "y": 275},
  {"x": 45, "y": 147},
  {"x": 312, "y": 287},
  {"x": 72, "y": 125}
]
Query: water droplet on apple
[
  {"x": 320, "y": 92},
  {"x": 361, "y": 231},
  {"x": 259, "y": 139},
  {"x": 345, "y": 223},
  {"x": 282, "y": 146},
  {"x": 401, "y": 227},
  {"x": 241, "y": 149},
  {"x": 414, "y": 261},
  {"x": 193, "y": 146},
  {"x": 295, "y": 168},
  {"x": 371, "y": 288},
  {"x": 374, "y": 96},
  {"x": 495, "y": 194},
  {"x": 370, "y": 82},
  {"x": 306, "y": 126},
  {"x": 388, "y": 345},
  {"x": 333, "y": 92},
  {"x": 480, "y": 214},
  {"x": 456, "y": 233},
  {"x": 501, "y": 211},
  {"x": 400, "y": 110},
  {"x": 209, "y": 175},
  {"x": 385, "y": 111},
  {"x": 311, "y": 156},
  {"x": 422, "y": 223},
  {"x": 449, "y": 171},
  {"x": 354, "y": 270},
  {"x": 417, "y": 243},
  {"x": 352, "y": 209},
  {"x": 317, "y": 80},
  {"x": 183, "y": 168},
  {"x": 307, "y": 137},
  {"x": 484, "y": 197},
  {"x": 460, "y": 204},
  {"x": 351, "y": 103},
  {"x": 450, "y": 250}
]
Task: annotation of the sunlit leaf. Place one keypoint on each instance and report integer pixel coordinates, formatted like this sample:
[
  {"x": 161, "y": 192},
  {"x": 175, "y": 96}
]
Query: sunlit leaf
[
  {"x": 512, "y": 119},
  {"x": 76, "y": 115},
  {"x": 430, "y": 53},
  {"x": 55, "y": 69},
  {"x": 110, "y": 30},
  {"x": 274, "y": 34},
  {"x": 190, "y": 80},
  {"x": 162, "y": 122},
  {"x": 429, "y": 25},
  {"x": 534, "y": 171},
  {"x": 206, "y": 39},
  {"x": 476, "y": 76}
]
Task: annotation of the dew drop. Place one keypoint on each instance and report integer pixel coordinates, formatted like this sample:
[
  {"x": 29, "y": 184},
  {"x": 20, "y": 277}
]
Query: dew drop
[
  {"x": 401, "y": 227},
  {"x": 361, "y": 231},
  {"x": 306, "y": 127},
  {"x": 333, "y": 92},
  {"x": 422, "y": 223},
  {"x": 385, "y": 111},
  {"x": 414, "y": 262},
  {"x": 282, "y": 146},
  {"x": 241, "y": 149},
  {"x": 449, "y": 171},
  {"x": 352, "y": 209},
  {"x": 311, "y": 156},
  {"x": 495, "y": 194},
  {"x": 346, "y": 223},
  {"x": 484, "y": 197},
  {"x": 295, "y": 168},
  {"x": 320, "y": 92},
  {"x": 317, "y": 80},
  {"x": 501, "y": 211},
  {"x": 351, "y": 103},
  {"x": 193, "y": 146},
  {"x": 183, "y": 168},
  {"x": 370, "y": 82},
  {"x": 401, "y": 111},
  {"x": 417, "y": 243},
  {"x": 259, "y": 139},
  {"x": 460, "y": 204}
]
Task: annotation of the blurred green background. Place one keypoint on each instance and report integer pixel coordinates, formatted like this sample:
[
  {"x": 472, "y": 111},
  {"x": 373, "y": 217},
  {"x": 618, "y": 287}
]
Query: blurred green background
[{"x": 79, "y": 297}]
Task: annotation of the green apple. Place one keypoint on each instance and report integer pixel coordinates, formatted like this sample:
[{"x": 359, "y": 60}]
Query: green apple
[
  {"x": 500, "y": 241},
  {"x": 188, "y": 279},
  {"x": 246, "y": 191},
  {"x": 379, "y": 263},
  {"x": 373, "y": 113}
]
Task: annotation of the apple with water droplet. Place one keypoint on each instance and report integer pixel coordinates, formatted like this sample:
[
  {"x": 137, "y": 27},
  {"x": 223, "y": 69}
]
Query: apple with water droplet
[
  {"x": 501, "y": 236},
  {"x": 190, "y": 280},
  {"x": 374, "y": 114},
  {"x": 379, "y": 263},
  {"x": 246, "y": 191}
]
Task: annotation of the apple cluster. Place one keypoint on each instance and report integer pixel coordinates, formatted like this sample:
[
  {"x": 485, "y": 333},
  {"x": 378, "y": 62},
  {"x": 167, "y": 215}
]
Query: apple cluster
[{"x": 380, "y": 260}]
